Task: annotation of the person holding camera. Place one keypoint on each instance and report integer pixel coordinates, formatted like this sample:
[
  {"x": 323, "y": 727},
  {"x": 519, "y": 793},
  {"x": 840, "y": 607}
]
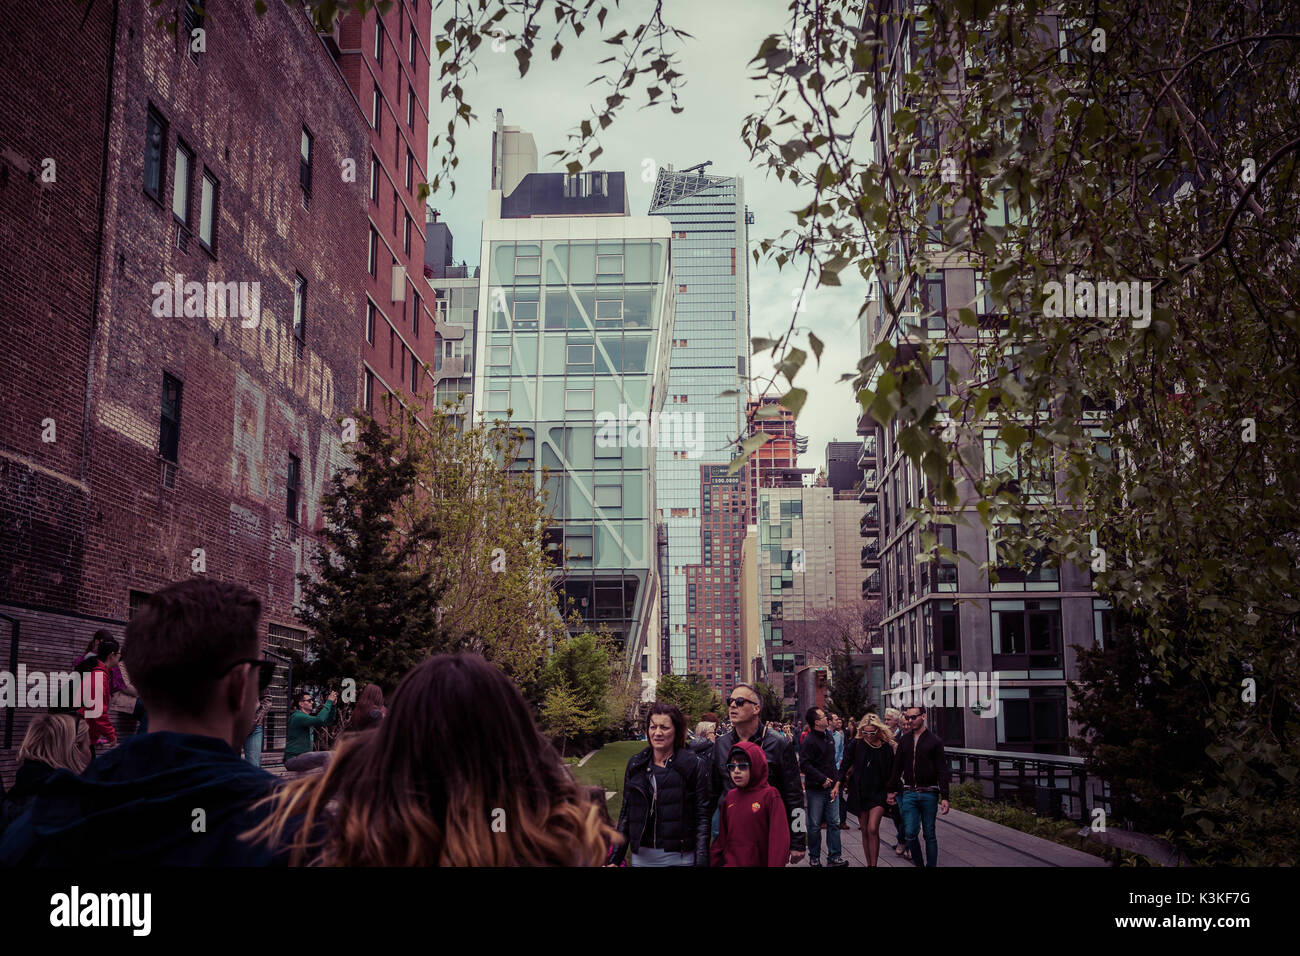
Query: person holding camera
[{"x": 298, "y": 752}]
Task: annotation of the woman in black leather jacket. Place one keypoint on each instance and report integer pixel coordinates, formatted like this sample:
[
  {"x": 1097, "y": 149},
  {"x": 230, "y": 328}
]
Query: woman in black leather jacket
[{"x": 664, "y": 818}]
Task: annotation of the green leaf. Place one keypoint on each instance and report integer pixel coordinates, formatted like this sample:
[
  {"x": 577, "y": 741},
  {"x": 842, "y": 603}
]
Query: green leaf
[
  {"x": 794, "y": 400},
  {"x": 816, "y": 345}
]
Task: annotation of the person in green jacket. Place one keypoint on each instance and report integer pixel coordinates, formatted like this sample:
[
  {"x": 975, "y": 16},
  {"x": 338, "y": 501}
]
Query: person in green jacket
[{"x": 298, "y": 753}]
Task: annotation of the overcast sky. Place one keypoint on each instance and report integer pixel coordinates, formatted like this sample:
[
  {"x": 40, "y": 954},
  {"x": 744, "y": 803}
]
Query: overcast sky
[{"x": 717, "y": 95}]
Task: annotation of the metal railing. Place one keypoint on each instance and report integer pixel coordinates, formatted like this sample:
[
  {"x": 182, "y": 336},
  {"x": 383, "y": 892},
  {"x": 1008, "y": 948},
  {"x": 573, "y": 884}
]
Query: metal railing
[{"x": 1052, "y": 784}]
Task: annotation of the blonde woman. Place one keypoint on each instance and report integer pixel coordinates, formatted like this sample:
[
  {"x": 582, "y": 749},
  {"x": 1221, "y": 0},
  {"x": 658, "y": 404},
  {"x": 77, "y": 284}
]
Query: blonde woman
[
  {"x": 868, "y": 762},
  {"x": 53, "y": 742},
  {"x": 895, "y": 721}
]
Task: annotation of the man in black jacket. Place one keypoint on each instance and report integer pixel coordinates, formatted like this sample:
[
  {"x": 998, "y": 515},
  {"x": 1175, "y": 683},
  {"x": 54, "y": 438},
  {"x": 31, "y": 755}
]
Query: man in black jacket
[
  {"x": 817, "y": 758},
  {"x": 921, "y": 772},
  {"x": 744, "y": 708}
]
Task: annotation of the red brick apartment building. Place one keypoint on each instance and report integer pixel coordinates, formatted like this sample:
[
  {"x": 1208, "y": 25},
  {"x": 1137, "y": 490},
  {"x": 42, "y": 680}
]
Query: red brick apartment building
[{"x": 157, "y": 430}]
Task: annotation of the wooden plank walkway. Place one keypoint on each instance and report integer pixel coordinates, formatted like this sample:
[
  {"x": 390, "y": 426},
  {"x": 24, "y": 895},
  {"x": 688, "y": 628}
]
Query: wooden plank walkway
[{"x": 966, "y": 840}]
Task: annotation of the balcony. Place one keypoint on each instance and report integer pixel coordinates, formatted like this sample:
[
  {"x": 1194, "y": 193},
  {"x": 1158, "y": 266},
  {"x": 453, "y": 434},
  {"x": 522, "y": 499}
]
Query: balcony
[
  {"x": 871, "y": 554},
  {"x": 870, "y": 522},
  {"x": 871, "y": 587},
  {"x": 867, "y": 454},
  {"x": 450, "y": 368},
  {"x": 866, "y": 424},
  {"x": 867, "y": 487}
]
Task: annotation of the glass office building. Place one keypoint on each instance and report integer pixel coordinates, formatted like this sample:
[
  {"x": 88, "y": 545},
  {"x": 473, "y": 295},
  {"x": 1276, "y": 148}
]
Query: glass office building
[
  {"x": 575, "y": 308},
  {"x": 709, "y": 354}
]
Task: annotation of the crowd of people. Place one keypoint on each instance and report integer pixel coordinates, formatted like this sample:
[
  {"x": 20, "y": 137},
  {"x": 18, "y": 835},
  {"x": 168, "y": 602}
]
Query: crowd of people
[{"x": 188, "y": 789}]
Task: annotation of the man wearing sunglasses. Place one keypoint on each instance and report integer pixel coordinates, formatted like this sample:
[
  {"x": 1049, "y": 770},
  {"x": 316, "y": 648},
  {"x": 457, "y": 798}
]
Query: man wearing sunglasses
[
  {"x": 744, "y": 709},
  {"x": 921, "y": 773},
  {"x": 179, "y": 795}
]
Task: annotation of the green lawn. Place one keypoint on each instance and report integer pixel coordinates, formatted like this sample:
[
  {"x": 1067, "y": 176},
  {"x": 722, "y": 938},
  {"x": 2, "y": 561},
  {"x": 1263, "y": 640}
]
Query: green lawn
[{"x": 605, "y": 769}]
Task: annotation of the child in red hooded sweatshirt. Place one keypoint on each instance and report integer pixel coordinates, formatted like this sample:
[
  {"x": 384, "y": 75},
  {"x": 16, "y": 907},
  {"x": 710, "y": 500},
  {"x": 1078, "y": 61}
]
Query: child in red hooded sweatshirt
[{"x": 753, "y": 829}]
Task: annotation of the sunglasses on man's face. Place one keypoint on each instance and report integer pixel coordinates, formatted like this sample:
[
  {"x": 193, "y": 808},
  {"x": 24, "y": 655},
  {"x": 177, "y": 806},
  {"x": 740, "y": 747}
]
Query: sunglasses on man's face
[
  {"x": 740, "y": 702},
  {"x": 733, "y": 767}
]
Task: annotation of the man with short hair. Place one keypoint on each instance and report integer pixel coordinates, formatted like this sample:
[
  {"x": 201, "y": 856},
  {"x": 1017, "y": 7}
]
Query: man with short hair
[
  {"x": 921, "y": 772},
  {"x": 298, "y": 752},
  {"x": 817, "y": 757},
  {"x": 744, "y": 708},
  {"x": 837, "y": 735},
  {"x": 179, "y": 795}
]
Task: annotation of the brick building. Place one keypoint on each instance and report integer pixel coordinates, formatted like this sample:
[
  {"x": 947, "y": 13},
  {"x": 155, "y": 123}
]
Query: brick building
[
  {"x": 153, "y": 434},
  {"x": 385, "y": 61}
]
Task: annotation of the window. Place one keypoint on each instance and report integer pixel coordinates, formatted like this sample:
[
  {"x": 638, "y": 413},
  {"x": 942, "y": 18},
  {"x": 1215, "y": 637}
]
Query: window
[
  {"x": 580, "y": 355},
  {"x": 406, "y": 234},
  {"x": 181, "y": 186},
  {"x": 411, "y": 51},
  {"x": 291, "y": 489},
  {"x": 374, "y": 249},
  {"x": 579, "y": 400},
  {"x": 369, "y": 392},
  {"x": 609, "y": 265},
  {"x": 376, "y": 104},
  {"x": 370, "y": 322},
  {"x": 415, "y": 314},
  {"x": 193, "y": 21},
  {"x": 609, "y": 497},
  {"x": 410, "y": 169},
  {"x": 304, "y": 163},
  {"x": 299, "y": 308},
  {"x": 609, "y": 311},
  {"x": 374, "y": 178},
  {"x": 1032, "y": 719},
  {"x": 528, "y": 266},
  {"x": 415, "y": 374},
  {"x": 1029, "y": 632},
  {"x": 499, "y": 355},
  {"x": 208, "y": 211},
  {"x": 169, "y": 432},
  {"x": 155, "y": 142},
  {"x": 410, "y": 107},
  {"x": 379, "y": 41},
  {"x": 401, "y": 365}
]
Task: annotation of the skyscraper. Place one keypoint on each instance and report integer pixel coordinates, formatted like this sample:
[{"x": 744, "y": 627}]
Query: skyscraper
[
  {"x": 709, "y": 355},
  {"x": 575, "y": 318}
]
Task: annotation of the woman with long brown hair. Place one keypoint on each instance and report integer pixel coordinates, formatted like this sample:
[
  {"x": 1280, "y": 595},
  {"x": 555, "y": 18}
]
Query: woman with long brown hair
[
  {"x": 457, "y": 774},
  {"x": 868, "y": 760},
  {"x": 369, "y": 710}
]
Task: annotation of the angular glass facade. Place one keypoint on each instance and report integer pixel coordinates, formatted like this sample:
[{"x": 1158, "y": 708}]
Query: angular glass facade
[
  {"x": 709, "y": 355},
  {"x": 572, "y": 335}
]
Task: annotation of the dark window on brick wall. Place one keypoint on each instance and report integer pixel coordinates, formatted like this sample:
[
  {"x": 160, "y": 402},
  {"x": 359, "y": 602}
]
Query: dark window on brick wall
[
  {"x": 370, "y": 322},
  {"x": 169, "y": 434},
  {"x": 415, "y": 314},
  {"x": 304, "y": 162},
  {"x": 155, "y": 146},
  {"x": 134, "y": 601},
  {"x": 299, "y": 308},
  {"x": 181, "y": 185},
  {"x": 415, "y": 374},
  {"x": 292, "y": 483},
  {"x": 208, "y": 211},
  {"x": 369, "y": 397},
  {"x": 374, "y": 249},
  {"x": 374, "y": 178}
]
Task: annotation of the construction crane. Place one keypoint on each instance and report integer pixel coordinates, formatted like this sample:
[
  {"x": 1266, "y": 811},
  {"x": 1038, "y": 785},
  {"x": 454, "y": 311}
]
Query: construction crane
[{"x": 700, "y": 167}]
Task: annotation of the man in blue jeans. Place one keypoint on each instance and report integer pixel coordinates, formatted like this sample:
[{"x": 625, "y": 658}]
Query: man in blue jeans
[
  {"x": 921, "y": 774},
  {"x": 822, "y": 784}
]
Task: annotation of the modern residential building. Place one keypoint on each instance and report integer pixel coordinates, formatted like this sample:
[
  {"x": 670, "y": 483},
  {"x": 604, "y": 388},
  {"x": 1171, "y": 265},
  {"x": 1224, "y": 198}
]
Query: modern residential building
[
  {"x": 181, "y": 330},
  {"x": 455, "y": 315},
  {"x": 715, "y": 644},
  {"x": 575, "y": 325},
  {"x": 842, "y": 471},
  {"x": 385, "y": 60},
  {"x": 709, "y": 356},
  {"x": 808, "y": 566},
  {"x": 948, "y": 616}
]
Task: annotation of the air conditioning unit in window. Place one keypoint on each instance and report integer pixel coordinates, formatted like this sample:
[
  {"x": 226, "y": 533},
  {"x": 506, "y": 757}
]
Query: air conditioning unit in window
[
  {"x": 168, "y": 473},
  {"x": 182, "y": 237}
]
